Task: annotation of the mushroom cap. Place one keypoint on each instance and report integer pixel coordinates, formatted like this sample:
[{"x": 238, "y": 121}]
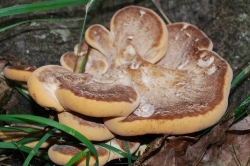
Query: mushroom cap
[
  {"x": 98, "y": 37},
  {"x": 42, "y": 84},
  {"x": 82, "y": 94},
  {"x": 67, "y": 60},
  {"x": 91, "y": 128},
  {"x": 134, "y": 31},
  {"x": 18, "y": 73},
  {"x": 179, "y": 97},
  {"x": 97, "y": 63},
  {"x": 185, "y": 40},
  {"x": 61, "y": 154}
]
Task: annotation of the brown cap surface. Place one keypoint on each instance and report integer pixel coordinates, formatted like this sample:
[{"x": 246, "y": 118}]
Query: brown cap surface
[
  {"x": 97, "y": 63},
  {"x": 134, "y": 31},
  {"x": 61, "y": 154},
  {"x": 185, "y": 94},
  {"x": 185, "y": 40},
  {"x": 68, "y": 59},
  {"x": 80, "y": 93},
  {"x": 98, "y": 37},
  {"x": 91, "y": 128}
]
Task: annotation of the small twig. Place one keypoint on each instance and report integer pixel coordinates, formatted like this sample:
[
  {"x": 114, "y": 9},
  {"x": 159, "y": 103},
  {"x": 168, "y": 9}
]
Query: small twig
[
  {"x": 158, "y": 6},
  {"x": 2, "y": 164},
  {"x": 27, "y": 126},
  {"x": 12, "y": 134},
  {"x": 88, "y": 7}
]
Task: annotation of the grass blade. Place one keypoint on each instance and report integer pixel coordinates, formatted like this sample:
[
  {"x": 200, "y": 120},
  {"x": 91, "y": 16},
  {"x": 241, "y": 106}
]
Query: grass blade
[
  {"x": 87, "y": 158},
  {"x": 17, "y": 129},
  {"x": 37, "y": 119},
  {"x": 84, "y": 61},
  {"x": 36, "y": 148},
  {"x": 7, "y": 118},
  {"x": 77, "y": 157},
  {"x": 34, "y": 7},
  {"x": 21, "y": 91},
  {"x": 12, "y": 145},
  {"x": 128, "y": 152},
  {"x": 240, "y": 77},
  {"x": 27, "y": 140},
  {"x": 236, "y": 156},
  {"x": 118, "y": 151},
  {"x": 88, "y": 8}
]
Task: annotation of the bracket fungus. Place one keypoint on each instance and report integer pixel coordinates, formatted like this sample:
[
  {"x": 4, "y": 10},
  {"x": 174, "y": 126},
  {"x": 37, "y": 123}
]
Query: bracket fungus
[
  {"x": 183, "y": 90},
  {"x": 141, "y": 77},
  {"x": 84, "y": 94},
  {"x": 42, "y": 84},
  {"x": 55, "y": 87},
  {"x": 91, "y": 128},
  {"x": 157, "y": 79},
  {"x": 61, "y": 154}
]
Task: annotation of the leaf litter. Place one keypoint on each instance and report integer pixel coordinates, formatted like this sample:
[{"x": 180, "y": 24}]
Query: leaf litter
[{"x": 225, "y": 144}]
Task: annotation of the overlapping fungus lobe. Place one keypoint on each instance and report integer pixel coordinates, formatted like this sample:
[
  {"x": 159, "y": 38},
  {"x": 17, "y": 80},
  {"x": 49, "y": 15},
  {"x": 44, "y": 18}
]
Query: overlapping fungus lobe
[
  {"x": 83, "y": 86},
  {"x": 51, "y": 72}
]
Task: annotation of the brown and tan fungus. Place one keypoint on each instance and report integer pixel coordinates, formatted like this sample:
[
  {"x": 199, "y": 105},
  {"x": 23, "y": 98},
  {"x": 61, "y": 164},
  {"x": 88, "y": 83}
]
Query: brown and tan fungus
[
  {"x": 183, "y": 91},
  {"x": 171, "y": 82},
  {"x": 97, "y": 62},
  {"x": 92, "y": 128},
  {"x": 134, "y": 30},
  {"x": 19, "y": 74},
  {"x": 82, "y": 94},
  {"x": 61, "y": 154},
  {"x": 42, "y": 85},
  {"x": 142, "y": 77},
  {"x": 183, "y": 96}
]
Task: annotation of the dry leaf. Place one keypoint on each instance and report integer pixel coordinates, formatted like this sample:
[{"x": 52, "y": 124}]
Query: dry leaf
[
  {"x": 150, "y": 150},
  {"x": 180, "y": 143},
  {"x": 195, "y": 153},
  {"x": 244, "y": 124},
  {"x": 166, "y": 157}
]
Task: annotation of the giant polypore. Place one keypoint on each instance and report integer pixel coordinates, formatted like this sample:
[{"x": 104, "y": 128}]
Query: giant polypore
[{"x": 142, "y": 77}]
